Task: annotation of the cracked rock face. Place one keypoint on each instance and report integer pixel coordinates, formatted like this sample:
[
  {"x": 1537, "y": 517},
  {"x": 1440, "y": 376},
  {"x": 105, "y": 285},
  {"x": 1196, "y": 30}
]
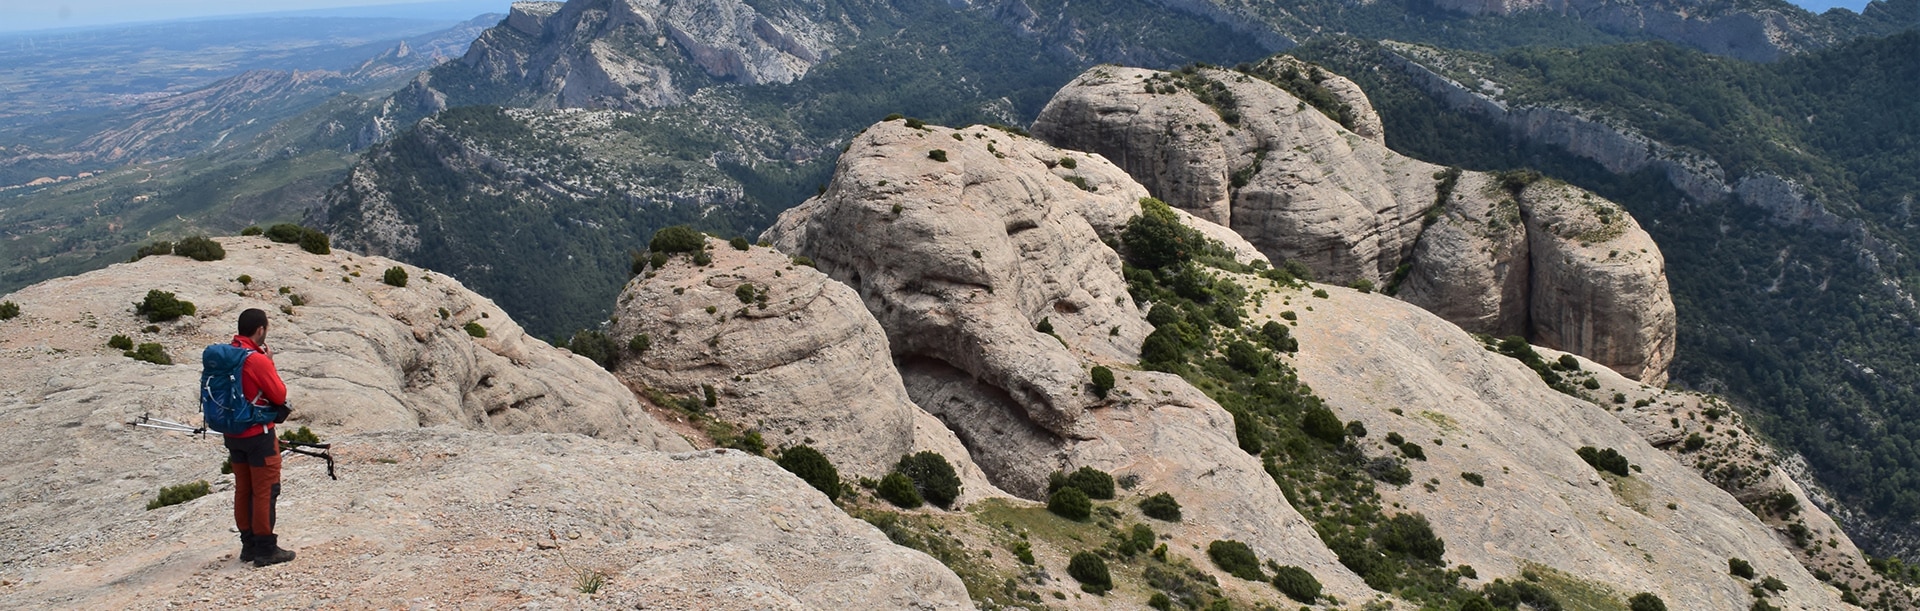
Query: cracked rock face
[
  {"x": 789, "y": 352},
  {"x": 1301, "y": 187},
  {"x": 961, "y": 242}
]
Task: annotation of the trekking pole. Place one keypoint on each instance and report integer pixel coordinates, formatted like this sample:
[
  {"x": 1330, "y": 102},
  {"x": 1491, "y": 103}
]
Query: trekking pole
[
  {"x": 318, "y": 450},
  {"x": 148, "y": 421}
]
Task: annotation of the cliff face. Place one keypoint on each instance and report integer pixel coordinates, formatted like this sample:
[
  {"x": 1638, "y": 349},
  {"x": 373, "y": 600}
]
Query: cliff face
[{"x": 1475, "y": 248}]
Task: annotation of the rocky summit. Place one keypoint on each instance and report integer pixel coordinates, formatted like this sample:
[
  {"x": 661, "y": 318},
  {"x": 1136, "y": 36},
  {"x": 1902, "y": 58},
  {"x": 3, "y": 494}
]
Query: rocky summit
[{"x": 1505, "y": 254}]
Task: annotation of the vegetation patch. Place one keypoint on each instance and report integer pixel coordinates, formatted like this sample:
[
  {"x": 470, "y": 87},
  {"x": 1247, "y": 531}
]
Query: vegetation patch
[
  {"x": 175, "y": 495},
  {"x": 162, "y": 306}
]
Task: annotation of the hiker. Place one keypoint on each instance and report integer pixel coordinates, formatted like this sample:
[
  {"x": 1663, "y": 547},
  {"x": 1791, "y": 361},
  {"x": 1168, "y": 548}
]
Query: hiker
[{"x": 255, "y": 452}]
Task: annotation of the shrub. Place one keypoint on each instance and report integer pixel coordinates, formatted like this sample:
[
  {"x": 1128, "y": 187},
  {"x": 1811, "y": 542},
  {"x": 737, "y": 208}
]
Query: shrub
[
  {"x": 678, "y": 238},
  {"x": 152, "y": 353},
  {"x": 315, "y": 242},
  {"x": 1357, "y": 428},
  {"x": 1321, "y": 293},
  {"x": 1569, "y": 363},
  {"x": 1091, "y": 572},
  {"x": 1095, "y": 483},
  {"x": 744, "y": 292},
  {"x": 1296, "y": 583},
  {"x": 120, "y": 342},
  {"x": 1157, "y": 239},
  {"x": 639, "y": 344},
  {"x": 9, "y": 310},
  {"x": 1278, "y": 338},
  {"x": 916, "y": 123},
  {"x": 199, "y": 248},
  {"x": 300, "y": 435},
  {"x": 1410, "y": 534},
  {"x": 395, "y": 276},
  {"x": 1591, "y": 384},
  {"x": 933, "y": 477},
  {"x": 1608, "y": 460},
  {"x": 1476, "y": 604},
  {"x": 1413, "y": 450},
  {"x": 1473, "y": 478},
  {"x": 1246, "y": 358},
  {"x": 1236, "y": 559},
  {"x": 1068, "y": 163},
  {"x": 803, "y": 261},
  {"x": 162, "y": 306},
  {"x": 1389, "y": 470},
  {"x": 1161, "y": 507},
  {"x": 1363, "y": 285},
  {"x": 937, "y": 155},
  {"x": 1137, "y": 539},
  {"x": 1023, "y": 552},
  {"x": 709, "y": 396},
  {"x": 1693, "y": 443},
  {"x": 175, "y": 495},
  {"x": 286, "y": 233},
  {"x": 1070, "y": 503},
  {"x": 474, "y": 329},
  {"x": 251, "y": 230},
  {"x": 151, "y": 250},
  {"x": 1160, "y": 602},
  {"x": 752, "y": 443},
  {"x": 1102, "y": 380},
  {"x": 738, "y": 243},
  {"x": 1646, "y": 601},
  {"x": 896, "y": 488},
  {"x": 597, "y": 347},
  {"x": 1773, "y": 584},
  {"x": 1320, "y": 423},
  {"x": 244, "y": 280}
]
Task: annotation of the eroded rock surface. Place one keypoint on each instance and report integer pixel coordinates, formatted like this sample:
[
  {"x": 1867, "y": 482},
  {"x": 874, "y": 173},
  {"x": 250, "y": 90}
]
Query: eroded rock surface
[
  {"x": 1241, "y": 151},
  {"x": 961, "y": 242},
  {"x": 794, "y": 355}
]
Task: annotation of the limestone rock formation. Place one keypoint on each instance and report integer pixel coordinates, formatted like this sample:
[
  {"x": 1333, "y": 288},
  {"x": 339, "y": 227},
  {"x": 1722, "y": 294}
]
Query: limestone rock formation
[
  {"x": 621, "y": 54},
  {"x": 1239, "y": 150},
  {"x": 518, "y": 508},
  {"x": 1663, "y": 529},
  {"x": 961, "y": 243},
  {"x": 788, "y": 352}
]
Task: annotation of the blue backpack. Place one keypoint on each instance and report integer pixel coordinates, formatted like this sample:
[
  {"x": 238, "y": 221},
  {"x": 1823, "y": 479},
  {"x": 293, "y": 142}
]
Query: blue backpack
[{"x": 222, "y": 401}]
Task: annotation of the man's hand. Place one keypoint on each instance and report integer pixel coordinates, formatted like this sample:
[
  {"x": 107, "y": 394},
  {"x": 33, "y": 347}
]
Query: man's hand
[{"x": 266, "y": 350}]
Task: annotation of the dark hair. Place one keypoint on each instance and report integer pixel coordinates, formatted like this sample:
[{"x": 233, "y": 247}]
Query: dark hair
[{"x": 251, "y": 320}]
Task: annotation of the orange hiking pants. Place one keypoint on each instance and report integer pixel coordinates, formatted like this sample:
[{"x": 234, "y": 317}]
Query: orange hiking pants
[{"x": 256, "y": 482}]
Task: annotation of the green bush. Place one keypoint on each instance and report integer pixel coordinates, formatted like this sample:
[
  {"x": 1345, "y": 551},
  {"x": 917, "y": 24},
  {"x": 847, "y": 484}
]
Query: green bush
[
  {"x": 1413, "y": 450},
  {"x": 937, "y": 155},
  {"x": 1160, "y": 602},
  {"x": 120, "y": 342},
  {"x": 1070, "y": 503},
  {"x": 677, "y": 238},
  {"x": 152, "y": 353},
  {"x": 1161, "y": 506},
  {"x": 738, "y": 243},
  {"x": 1412, "y": 535},
  {"x": 933, "y": 477},
  {"x": 1591, "y": 384},
  {"x": 9, "y": 310},
  {"x": 474, "y": 329},
  {"x": 1102, "y": 381},
  {"x": 199, "y": 248},
  {"x": 709, "y": 395},
  {"x": 1136, "y": 540},
  {"x": 315, "y": 242},
  {"x": 301, "y": 435},
  {"x": 1278, "y": 338},
  {"x": 286, "y": 233},
  {"x": 251, "y": 230},
  {"x": 175, "y": 495},
  {"x": 1510, "y": 594},
  {"x": 1156, "y": 238},
  {"x": 803, "y": 261},
  {"x": 155, "y": 249},
  {"x": 1693, "y": 443},
  {"x": 1321, "y": 293},
  {"x": 1236, "y": 559},
  {"x": 744, "y": 292},
  {"x": 639, "y": 344},
  {"x": 597, "y": 347},
  {"x": 1363, "y": 285},
  {"x": 162, "y": 306},
  {"x": 1567, "y": 362},
  {"x": 1095, "y": 483},
  {"x": 1646, "y": 601},
  {"x": 1473, "y": 478},
  {"x": 395, "y": 276},
  {"x": 1091, "y": 572},
  {"x": 1608, "y": 460},
  {"x": 1296, "y": 583},
  {"x": 896, "y": 488},
  {"x": 1320, "y": 423},
  {"x": 1023, "y": 552},
  {"x": 1246, "y": 358}
]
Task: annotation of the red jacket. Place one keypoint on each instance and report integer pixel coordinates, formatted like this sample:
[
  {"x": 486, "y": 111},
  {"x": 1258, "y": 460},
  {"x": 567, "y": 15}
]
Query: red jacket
[{"x": 260, "y": 382}]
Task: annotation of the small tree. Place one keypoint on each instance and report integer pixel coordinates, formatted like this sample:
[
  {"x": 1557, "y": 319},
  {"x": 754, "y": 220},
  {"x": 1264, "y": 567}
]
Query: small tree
[
  {"x": 315, "y": 242},
  {"x": 120, "y": 342},
  {"x": 1236, "y": 559},
  {"x": 1646, "y": 601},
  {"x": 1102, "y": 381},
  {"x": 1095, "y": 483},
  {"x": 813, "y": 468},
  {"x": 162, "y": 306},
  {"x": 1296, "y": 583},
  {"x": 1739, "y": 568},
  {"x": 937, "y": 155},
  {"x": 199, "y": 248},
  {"x": 9, "y": 310},
  {"x": 896, "y": 488},
  {"x": 396, "y": 276},
  {"x": 1161, "y": 506},
  {"x": 932, "y": 476},
  {"x": 678, "y": 238},
  {"x": 152, "y": 353},
  {"x": 1070, "y": 503},
  {"x": 155, "y": 249},
  {"x": 1091, "y": 572},
  {"x": 1320, "y": 423}
]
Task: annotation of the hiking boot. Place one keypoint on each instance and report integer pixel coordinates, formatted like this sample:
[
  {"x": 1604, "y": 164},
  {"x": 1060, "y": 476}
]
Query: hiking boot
[
  {"x": 248, "y": 549},
  {"x": 267, "y": 551}
]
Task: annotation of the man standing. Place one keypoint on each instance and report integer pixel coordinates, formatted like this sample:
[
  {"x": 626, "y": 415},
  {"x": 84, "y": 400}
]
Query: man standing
[{"x": 255, "y": 452}]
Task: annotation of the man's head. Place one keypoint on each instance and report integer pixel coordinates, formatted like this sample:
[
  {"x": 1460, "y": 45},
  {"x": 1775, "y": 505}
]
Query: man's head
[{"x": 253, "y": 324}]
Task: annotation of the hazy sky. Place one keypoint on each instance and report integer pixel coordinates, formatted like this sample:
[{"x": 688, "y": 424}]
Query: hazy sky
[{"x": 18, "y": 15}]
